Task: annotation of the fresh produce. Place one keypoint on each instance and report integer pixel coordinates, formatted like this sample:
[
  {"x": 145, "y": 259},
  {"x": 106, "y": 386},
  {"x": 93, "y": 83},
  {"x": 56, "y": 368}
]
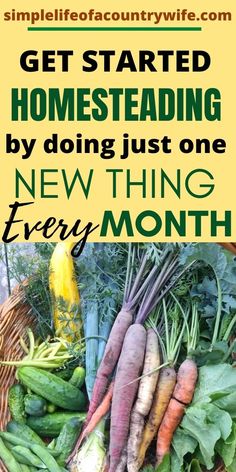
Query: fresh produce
[
  {"x": 164, "y": 366},
  {"x": 66, "y": 439},
  {"x": 208, "y": 422},
  {"x": 13, "y": 439},
  {"x": 25, "y": 456},
  {"x": 123, "y": 461},
  {"x": 26, "y": 468},
  {"x": 111, "y": 355},
  {"x": 167, "y": 379},
  {"x": 91, "y": 309},
  {"x": 52, "y": 388},
  {"x": 46, "y": 458},
  {"x": 35, "y": 405},
  {"x": 129, "y": 368},
  {"x": 51, "y": 424},
  {"x": 51, "y": 408},
  {"x": 49, "y": 354},
  {"x": 92, "y": 455},
  {"x": 182, "y": 394},
  {"x": 132, "y": 295},
  {"x": 16, "y": 402},
  {"x": 144, "y": 400},
  {"x": 8, "y": 459},
  {"x": 100, "y": 412},
  {"x": 24, "y": 432},
  {"x": 78, "y": 377},
  {"x": 162, "y": 396},
  {"x": 65, "y": 294}
]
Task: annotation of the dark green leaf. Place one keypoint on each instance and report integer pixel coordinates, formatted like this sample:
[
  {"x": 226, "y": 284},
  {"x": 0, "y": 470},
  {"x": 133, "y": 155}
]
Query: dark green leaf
[{"x": 165, "y": 465}]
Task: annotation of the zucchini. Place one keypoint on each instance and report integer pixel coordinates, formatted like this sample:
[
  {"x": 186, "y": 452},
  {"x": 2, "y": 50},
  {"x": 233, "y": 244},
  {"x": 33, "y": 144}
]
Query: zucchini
[
  {"x": 78, "y": 377},
  {"x": 52, "y": 423},
  {"x": 24, "y": 432},
  {"x": 35, "y": 405},
  {"x": 51, "y": 387},
  {"x": 16, "y": 402},
  {"x": 67, "y": 439}
]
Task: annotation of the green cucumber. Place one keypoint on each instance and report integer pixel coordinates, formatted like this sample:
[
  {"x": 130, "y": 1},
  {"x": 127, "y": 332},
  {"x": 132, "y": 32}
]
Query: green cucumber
[
  {"x": 78, "y": 377},
  {"x": 35, "y": 405},
  {"x": 52, "y": 423},
  {"x": 51, "y": 408},
  {"x": 8, "y": 459},
  {"x": 52, "y": 444},
  {"x": 24, "y": 432},
  {"x": 65, "y": 373},
  {"x": 16, "y": 402},
  {"x": 51, "y": 387},
  {"x": 67, "y": 439},
  {"x": 25, "y": 456}
]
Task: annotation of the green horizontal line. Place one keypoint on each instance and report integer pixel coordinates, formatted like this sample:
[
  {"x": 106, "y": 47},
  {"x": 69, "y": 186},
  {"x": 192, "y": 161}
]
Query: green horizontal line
[{"x": 111, "y": 28}]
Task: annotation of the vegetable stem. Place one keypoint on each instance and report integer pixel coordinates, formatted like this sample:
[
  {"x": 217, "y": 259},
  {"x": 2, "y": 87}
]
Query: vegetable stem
[
  {"x": 218, "y": 314},
  {"x": 229, "y": 329}
]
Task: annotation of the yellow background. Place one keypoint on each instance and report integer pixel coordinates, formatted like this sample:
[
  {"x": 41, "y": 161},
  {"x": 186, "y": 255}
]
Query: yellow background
[{"x": 218, "y": 38}]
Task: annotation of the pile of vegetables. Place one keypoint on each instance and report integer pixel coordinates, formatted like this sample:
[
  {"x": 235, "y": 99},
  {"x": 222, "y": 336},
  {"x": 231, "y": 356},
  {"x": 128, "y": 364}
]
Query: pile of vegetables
[{"x": 152, "y": 387}]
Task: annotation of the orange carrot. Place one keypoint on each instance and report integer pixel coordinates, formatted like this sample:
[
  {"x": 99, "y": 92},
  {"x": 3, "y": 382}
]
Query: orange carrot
[
  {"x": 171, "y": 420},
  {"x": 182, "y": 396},
  {"x": 186, "y": 381},
  {"x": 101, "y": 411}
]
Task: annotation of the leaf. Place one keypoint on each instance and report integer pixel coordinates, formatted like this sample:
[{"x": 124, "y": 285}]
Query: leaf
[
  {"x": 194, "y": 466},
  {"x": 206, "y": 434},
  {"x": 176, "y": 465},
  {"x": 227, "y": 449},
  {"x": 228, "y": 403},
  {"x": 209, "y": 253},
  {"x": 182, "y": 444},
  {"x": 208, "y": 420},
  {"x": 165, "y": 465},
  {"x": 213, "y": 379},
  {"x": 219, "y": 417},
  {"x": 232, "y": 466},
  {"x": 224, "y": 266},
  {"x": 147, "y": 468},
  {"x": 206, "y": 354}
]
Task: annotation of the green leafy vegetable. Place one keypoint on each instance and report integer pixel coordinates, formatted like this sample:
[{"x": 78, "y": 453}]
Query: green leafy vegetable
[
  {"x": 227, "y": 448},
  {"x": 207, "y": 424},
  {"x": 165, "y": 466}
]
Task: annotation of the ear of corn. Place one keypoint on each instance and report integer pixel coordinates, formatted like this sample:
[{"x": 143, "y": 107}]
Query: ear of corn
[{"x": 65, "y": 294}]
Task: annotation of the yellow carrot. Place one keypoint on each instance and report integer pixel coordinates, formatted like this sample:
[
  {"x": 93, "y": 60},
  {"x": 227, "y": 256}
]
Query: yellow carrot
[{"x": 162, "y": 396}]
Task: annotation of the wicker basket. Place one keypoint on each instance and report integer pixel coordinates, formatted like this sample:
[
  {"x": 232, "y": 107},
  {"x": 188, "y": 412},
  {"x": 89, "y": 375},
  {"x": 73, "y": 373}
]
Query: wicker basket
[{"x": 15, "y": 316}]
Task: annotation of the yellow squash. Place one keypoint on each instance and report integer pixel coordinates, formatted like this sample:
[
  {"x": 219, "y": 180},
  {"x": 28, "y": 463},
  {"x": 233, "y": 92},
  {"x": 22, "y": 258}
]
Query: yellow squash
[{"x": 65, "y": 294}]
